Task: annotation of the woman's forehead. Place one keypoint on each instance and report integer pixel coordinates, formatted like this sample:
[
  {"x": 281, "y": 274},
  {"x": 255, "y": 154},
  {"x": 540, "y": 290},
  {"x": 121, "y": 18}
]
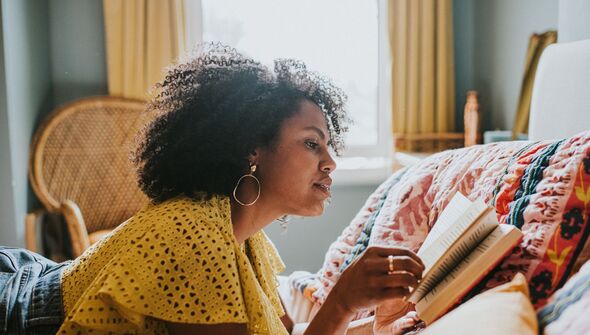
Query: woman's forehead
[{"x": 309, "y": 117}]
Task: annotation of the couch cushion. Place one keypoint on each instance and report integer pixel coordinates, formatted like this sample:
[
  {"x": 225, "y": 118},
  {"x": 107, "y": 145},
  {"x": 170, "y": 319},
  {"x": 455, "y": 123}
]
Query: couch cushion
[
  {"x": 566, "y": 312},
  {"x": 513, "y": 313}
]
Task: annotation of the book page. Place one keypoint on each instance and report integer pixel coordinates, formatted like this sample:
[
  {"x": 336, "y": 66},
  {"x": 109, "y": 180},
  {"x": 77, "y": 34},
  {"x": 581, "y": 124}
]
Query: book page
[
  {"x": 454, "y": 245},
  {"x": 451, "y": 213},
  {"x": 467, "y": 247},
  {"x": 437, "y": 249},
  {"x": 457, "y": 252},
  {"x": 468, "y": 272}
]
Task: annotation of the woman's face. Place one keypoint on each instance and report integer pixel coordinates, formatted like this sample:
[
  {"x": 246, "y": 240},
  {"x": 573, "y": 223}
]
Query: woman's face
[{"x": 294, "y": 172}]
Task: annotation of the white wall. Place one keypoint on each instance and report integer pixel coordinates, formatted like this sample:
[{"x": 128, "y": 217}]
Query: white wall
[
  {"x": 53, "y": 52},
  {"x": 574, "y": 20},
  {"x": 503, "y": 28},
  {"x": 7, "y": 209},
  {"x": 78, "y": 58},
  {"x": 464, "y": 40},
  {"x": 27, "y": 81},
  {"x": 490, "y": 48},
  {"x": 306, "y": 240}
]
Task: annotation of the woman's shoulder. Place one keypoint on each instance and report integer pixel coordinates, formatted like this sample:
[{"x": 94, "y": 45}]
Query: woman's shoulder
[
  {"x": 210, "y": 207},
  {"x": 208, "y": 213},
  {"x": 181, "y": 226},
  {"x": 165, "y": 254},
  {"x": 184, "y": 218}
]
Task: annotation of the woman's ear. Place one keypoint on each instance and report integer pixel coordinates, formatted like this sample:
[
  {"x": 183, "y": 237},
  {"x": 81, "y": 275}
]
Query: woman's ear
[{"x": 254, "y": 156}]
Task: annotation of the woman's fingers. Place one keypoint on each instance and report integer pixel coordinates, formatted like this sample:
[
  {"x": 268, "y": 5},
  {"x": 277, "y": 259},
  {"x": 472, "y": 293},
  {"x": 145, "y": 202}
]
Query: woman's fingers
[
  {"x": 414, "y": 315},
  {"x": 380, "y": 273},
  {"x": 381, "y": 265},
  {"x": 394, "y": 251},
  {"x": 404, "y": 324},
  {"x": 398, "y": 279},
  {"x": 395, "y": 292}
]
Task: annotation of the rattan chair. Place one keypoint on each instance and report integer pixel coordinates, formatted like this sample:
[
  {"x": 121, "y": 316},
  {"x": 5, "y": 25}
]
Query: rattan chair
[{"x": 79, "y": 167}]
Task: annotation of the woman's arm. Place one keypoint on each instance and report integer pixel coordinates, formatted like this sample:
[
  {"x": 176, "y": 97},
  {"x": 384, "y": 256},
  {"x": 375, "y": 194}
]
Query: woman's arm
[
  {"x": 366, "y": 283},
  {"x": 332, "y": 318},
  {"x": 286, "y": 319}
]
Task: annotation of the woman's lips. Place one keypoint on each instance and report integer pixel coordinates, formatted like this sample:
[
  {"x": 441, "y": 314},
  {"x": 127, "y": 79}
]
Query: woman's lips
[{"x": 324, "y": 188}]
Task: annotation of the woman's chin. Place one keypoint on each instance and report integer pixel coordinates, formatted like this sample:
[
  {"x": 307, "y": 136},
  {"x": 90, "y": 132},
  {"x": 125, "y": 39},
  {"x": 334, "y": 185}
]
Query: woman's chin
[
  {"x": 315, "y": 210},
  {"x": 311, "y": 207}
]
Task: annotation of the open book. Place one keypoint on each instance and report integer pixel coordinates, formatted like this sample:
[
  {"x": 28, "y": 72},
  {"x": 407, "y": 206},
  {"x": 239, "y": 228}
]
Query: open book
[{"x": 465, "y": 244}]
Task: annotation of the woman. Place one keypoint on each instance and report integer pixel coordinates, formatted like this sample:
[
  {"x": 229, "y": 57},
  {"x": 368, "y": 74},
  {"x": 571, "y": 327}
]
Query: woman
[{"x": 233, "y": 148}]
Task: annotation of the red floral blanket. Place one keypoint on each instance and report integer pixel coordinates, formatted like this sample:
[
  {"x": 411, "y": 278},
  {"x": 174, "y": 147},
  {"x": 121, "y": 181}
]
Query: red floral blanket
[{"x": 541, "y": 187}]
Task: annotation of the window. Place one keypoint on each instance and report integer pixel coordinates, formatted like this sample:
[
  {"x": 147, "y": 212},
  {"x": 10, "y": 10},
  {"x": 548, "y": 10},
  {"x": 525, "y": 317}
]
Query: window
[{"x": 345, "y": 40}]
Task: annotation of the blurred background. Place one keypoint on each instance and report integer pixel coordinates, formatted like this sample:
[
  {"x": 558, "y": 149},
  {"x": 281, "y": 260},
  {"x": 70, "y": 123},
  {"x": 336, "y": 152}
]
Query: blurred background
[{"x": 55, "y": 52}]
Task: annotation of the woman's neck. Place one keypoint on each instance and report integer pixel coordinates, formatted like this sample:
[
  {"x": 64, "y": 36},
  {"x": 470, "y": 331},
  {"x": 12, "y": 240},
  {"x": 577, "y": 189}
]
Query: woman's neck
[{"x": 248, "y": 220}]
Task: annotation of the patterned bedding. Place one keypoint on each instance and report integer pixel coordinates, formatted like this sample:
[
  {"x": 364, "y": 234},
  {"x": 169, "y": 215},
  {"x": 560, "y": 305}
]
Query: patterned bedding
[{"x": 541, "y": 187}]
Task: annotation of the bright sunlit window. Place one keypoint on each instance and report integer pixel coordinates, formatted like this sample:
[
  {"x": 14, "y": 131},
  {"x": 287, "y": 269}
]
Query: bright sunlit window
[
  {"x": 338, "y": 38},
  {"x": 342, "y": 39}
]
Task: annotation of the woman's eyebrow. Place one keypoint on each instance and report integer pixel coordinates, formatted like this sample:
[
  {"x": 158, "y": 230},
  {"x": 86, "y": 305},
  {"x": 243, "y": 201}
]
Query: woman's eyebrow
[{"x": 317, "y": 130}]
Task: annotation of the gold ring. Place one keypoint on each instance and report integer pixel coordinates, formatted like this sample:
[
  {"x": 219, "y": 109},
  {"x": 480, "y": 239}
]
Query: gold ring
[{"x": 391, "y": 269}]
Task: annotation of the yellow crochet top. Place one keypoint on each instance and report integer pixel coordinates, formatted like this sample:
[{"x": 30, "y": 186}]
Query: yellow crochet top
[{"x": 176, "y": 261}]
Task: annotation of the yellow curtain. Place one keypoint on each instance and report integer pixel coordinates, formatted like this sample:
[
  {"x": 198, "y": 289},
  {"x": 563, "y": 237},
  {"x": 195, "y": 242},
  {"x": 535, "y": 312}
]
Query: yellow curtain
[
  {"x": 142, "y": 38},
  {"x": 537, "y": 43},
  {"x": 421, "y": 43}
]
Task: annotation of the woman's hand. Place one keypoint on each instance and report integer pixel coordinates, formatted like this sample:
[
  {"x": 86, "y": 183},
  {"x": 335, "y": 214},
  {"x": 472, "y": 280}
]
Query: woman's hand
[
  {"x": 368, "y": 281},
  {"x": 394, "y": 317}
]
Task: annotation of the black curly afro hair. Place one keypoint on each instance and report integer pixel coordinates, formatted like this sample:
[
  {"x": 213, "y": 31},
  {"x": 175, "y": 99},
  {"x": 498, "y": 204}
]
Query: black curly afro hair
[{"x": 216, "y": 108}]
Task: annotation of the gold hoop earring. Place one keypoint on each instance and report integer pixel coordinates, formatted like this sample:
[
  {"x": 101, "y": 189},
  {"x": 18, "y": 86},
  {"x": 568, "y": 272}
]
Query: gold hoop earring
[{"x": 251, "y": 175}]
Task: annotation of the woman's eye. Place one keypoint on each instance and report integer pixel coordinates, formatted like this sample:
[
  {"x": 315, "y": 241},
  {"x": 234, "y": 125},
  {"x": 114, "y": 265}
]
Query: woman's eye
[{"x": 312, "y": 145}]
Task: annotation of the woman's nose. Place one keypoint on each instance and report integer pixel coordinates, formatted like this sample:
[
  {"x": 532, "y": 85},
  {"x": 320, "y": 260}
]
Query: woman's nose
[{"x": 328, "y": 164}]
